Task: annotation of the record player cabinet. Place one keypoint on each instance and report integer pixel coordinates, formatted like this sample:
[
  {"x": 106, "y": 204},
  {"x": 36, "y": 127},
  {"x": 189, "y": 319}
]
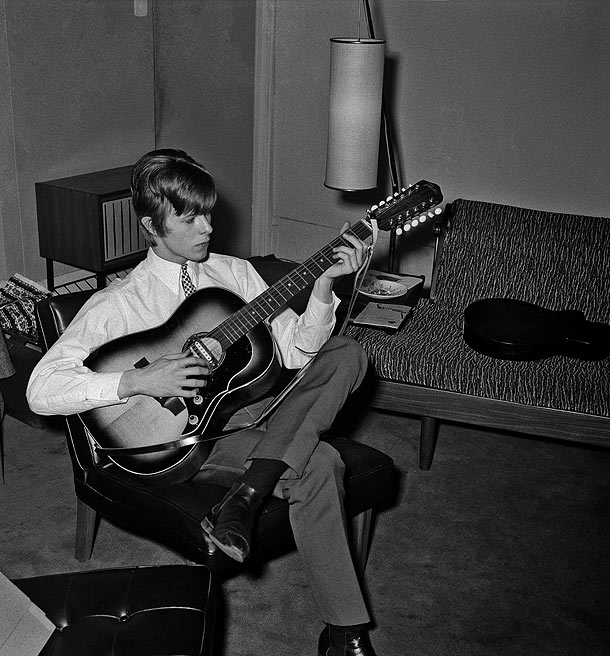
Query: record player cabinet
[{"x": 87, "y": 221}]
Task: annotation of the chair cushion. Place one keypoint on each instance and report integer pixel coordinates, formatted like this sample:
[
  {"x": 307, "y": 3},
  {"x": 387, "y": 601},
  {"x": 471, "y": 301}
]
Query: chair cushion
[
  {"x": 138, "y": 611},
  {"x": 173, "y": 513}
]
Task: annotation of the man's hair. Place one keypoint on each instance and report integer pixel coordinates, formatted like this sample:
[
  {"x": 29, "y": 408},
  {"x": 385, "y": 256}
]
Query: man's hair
[{"x": 166, "y": 180}]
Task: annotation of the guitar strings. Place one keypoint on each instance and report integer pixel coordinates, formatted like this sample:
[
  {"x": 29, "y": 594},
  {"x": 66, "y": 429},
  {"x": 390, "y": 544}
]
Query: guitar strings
[
  {"x": 360, "y": 275},
  {"x": 272, "y": 299}
]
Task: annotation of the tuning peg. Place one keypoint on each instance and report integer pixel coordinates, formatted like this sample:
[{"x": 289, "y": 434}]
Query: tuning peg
[
  {"x": 438, "y": 211},
  {"x": 407, "y": 227},
  {"x": 388, "y": 199},
  {"x": 423, "y": 218},
  {"x": 399, "y": 231},
  {"x": 415, "y": 223}
]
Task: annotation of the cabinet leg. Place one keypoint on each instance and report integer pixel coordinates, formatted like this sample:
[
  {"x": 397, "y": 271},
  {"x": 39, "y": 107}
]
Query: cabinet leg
[
  {"x": 427, "y": 441},
  {"x": 50, "y": 276},
  {"x": 100, "y": 280}
]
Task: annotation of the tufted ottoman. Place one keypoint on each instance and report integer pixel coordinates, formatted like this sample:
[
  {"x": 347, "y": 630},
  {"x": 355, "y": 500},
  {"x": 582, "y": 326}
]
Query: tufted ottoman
[{"x": 137, "y": 611}]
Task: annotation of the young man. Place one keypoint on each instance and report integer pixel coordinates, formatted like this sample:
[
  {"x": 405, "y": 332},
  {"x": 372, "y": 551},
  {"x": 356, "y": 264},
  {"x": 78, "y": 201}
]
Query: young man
[{"x": 173, "y": 196}]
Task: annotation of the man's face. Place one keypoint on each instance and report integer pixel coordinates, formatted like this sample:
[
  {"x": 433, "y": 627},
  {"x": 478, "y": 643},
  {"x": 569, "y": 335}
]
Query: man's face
[{"x": 186, "y": 237}]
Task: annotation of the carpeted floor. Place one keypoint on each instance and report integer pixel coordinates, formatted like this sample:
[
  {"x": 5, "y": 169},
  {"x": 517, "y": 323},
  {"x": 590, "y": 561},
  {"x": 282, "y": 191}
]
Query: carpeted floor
[{"x": 502, "y": 548}]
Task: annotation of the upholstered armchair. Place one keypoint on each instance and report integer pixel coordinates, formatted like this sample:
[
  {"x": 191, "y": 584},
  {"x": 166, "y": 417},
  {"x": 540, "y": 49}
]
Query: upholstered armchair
[{"x": 172, "y": 514}]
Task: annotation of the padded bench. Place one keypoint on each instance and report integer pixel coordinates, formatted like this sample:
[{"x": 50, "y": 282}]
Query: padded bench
[{"x": 557, "y": 261}]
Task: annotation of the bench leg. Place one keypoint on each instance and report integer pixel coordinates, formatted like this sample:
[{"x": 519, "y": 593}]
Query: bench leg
[
  {"x": 86, "y": 520},
  {"x": 427, "y": 442}
]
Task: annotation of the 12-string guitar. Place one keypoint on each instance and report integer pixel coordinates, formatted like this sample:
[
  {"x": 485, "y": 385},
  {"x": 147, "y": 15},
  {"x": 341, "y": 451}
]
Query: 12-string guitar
[{"x": 231, "y": 336}]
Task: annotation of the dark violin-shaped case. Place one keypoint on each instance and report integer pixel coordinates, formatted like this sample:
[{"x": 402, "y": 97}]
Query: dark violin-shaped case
[{"x": 511, "y": 329}]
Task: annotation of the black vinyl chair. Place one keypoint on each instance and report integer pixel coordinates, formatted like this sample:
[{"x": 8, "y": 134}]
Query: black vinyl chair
[{"x": 172, "y": 514}]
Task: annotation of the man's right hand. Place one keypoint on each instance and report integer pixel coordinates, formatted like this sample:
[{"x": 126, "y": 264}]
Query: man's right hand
[{"x": 179, "y": 374}]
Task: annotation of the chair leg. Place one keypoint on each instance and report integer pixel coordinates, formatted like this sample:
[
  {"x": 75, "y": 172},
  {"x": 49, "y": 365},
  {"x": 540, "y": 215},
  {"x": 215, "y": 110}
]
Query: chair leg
[
  {"x": 2, "y": 448},
  {"x": 427, "y": 442},
  {"x": 86, "y": 521},
  {"x": 361, "y": 533}
]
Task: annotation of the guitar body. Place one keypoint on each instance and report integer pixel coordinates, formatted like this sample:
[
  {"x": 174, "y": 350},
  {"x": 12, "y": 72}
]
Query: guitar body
[
  {"x": 511, "y": 329},
  {"x": 241, "y": 374}
]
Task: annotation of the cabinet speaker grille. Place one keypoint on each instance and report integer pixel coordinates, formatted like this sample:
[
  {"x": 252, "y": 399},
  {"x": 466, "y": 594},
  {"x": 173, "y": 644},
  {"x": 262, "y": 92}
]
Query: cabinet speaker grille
[{"x": 122, "y": 235}]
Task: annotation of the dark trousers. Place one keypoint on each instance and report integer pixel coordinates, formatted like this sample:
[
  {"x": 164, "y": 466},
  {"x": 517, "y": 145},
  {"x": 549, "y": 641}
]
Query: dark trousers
[{"x": 313, "y": 481}]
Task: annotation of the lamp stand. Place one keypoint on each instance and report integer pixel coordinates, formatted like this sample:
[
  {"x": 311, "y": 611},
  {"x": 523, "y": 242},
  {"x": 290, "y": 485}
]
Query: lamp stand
[{"x": 389, "y": 146}]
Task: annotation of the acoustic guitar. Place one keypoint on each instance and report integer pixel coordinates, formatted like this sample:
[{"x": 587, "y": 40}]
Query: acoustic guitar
[{"x": 165, "y": 440}]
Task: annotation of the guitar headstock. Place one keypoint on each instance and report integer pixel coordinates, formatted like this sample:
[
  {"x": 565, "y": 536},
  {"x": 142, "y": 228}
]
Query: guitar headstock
[{"x": 408, "y": 208}]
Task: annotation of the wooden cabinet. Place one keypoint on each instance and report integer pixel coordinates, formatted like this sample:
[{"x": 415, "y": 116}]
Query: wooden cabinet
[{"x": 87, "y": 221}]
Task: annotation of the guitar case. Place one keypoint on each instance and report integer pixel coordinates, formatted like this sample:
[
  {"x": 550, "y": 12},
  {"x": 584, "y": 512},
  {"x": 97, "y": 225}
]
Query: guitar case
[{"x": 511, "y": 329}]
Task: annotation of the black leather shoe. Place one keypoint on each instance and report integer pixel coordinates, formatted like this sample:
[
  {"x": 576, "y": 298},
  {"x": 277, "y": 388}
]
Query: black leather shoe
[
  {"x": 229, "y": 523},
  {"x": 338, "y": 643}
]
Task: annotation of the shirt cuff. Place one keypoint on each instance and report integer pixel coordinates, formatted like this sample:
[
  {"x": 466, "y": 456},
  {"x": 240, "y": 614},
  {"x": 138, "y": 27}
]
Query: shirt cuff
[
  {"x": 320, "y": 314},
  {"x": 104, "y": 387}
]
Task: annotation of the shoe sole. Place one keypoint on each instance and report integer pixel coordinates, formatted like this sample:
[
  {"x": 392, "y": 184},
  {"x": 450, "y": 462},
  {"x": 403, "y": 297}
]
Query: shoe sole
[{"x": 233, "y": 553}]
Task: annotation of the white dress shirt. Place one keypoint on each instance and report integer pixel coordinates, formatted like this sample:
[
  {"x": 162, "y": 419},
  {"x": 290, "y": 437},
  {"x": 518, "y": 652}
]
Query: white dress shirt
[{"x": 146, "y": 298}]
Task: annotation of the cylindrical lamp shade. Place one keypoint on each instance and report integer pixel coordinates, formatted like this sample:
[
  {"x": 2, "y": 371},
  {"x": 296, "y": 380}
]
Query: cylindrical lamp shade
[{"x": 354, "y": 119}]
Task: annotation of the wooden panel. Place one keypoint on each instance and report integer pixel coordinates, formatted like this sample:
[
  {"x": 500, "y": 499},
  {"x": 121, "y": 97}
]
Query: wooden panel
[
  {"x": 69, "y": 227},
  {"x": 100, "y": 183},
  {"x": 490, "y": 413}
]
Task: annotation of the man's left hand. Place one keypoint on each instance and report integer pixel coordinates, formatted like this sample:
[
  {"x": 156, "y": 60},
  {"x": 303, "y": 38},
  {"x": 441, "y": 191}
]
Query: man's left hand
[{"x": 349, "y": 258}]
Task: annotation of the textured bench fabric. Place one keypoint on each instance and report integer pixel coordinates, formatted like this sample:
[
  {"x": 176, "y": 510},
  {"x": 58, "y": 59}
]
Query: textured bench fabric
[
  {"x": 558, "y": 261},
  {"x": 131, "y": 611}
]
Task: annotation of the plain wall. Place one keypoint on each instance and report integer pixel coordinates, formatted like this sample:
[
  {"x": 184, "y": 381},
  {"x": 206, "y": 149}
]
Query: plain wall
[
  {"x": 81, "y": 99},
  {"x": 87, "y": 85},
  {"x": 502, "y": 100},
  {"x": 204, "y": 101}
]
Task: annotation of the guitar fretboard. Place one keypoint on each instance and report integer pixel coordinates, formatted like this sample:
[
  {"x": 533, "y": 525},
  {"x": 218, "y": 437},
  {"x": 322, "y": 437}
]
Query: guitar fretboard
[{"x": 264, "y": 305}]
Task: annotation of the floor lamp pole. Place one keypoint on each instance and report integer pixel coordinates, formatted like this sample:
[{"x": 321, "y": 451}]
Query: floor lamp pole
[{"x": 389, "y": 146}]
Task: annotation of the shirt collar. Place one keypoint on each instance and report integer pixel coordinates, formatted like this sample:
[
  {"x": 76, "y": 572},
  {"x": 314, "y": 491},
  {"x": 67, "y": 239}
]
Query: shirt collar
[{"x": 168, "y": 272}]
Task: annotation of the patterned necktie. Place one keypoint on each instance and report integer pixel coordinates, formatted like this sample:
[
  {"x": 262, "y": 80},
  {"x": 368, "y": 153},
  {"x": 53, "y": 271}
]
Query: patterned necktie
[{"x": 185, "y": 279}]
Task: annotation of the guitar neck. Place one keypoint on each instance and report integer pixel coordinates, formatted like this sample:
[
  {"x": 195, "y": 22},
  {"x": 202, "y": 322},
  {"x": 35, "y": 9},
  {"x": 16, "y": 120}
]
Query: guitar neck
[
  {"x": 286, "y": 288},
  {"x": 394, "y": 212}
]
